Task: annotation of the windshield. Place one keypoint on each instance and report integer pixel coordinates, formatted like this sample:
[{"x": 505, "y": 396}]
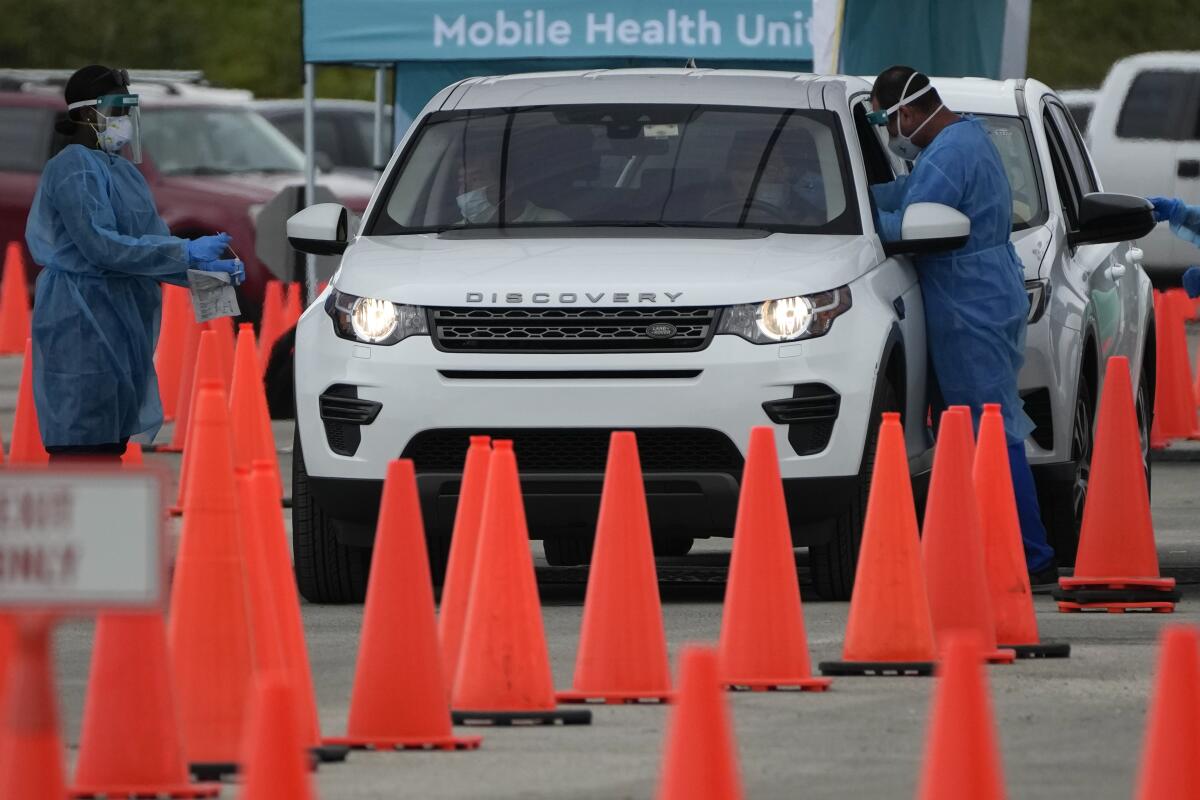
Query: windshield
[
  {"x": 216, "y": 141},
  {"x": 623, "y": 165},
  {"x": 1009, "y": 136}
]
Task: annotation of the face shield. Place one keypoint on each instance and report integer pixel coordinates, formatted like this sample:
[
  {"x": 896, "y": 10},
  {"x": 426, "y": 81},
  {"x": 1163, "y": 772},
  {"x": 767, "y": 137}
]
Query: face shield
[{"x": 117, "y": 123}]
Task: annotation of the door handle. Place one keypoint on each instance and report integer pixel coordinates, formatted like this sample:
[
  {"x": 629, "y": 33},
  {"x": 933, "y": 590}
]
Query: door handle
[
  {"x": 1189, "y": 168},
  {"x": 1116, "y": 272}
]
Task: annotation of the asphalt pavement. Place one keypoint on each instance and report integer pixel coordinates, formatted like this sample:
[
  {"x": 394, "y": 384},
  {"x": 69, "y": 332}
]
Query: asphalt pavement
[{"x": 1068, "y": 728}]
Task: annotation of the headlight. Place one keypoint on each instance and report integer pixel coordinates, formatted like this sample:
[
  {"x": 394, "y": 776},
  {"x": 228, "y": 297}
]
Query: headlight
[
  {"x": 787, "y": 319},
  {"x": 372, "y": 321}
]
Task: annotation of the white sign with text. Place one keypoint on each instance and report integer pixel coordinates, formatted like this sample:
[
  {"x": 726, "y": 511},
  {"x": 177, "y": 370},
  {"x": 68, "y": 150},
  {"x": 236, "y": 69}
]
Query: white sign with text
[{"x": 81, "y": 540}]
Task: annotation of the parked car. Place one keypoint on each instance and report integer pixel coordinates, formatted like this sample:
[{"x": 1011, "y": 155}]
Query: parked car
[
  {"x": 632, "y": 286},
  {"x": 1080, "y": 102},
  {"x": 211, "y": 166},
  {"x": 345, "y": 131},
  {"x": 1145, "y": 138}
]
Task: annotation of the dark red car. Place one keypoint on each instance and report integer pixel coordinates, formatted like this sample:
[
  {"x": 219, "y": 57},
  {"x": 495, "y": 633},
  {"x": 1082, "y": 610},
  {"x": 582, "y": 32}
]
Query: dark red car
[{"x": 211, "y": 167}]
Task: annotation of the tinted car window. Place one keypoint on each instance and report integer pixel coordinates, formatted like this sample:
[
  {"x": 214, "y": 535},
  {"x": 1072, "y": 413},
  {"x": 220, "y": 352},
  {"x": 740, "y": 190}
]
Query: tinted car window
[
  {"x": 1081, "y": 165},
  {"x": 1068, "y": 190},
  {"x": 1009, "y": 136},
  {"x": 623, "y": 165},
  {"x": 24, "y": 138},
  {"x": 215, "y": 141},
  {"x": 1081, "y": 113},
  {"x": 1158, "y": 106}
]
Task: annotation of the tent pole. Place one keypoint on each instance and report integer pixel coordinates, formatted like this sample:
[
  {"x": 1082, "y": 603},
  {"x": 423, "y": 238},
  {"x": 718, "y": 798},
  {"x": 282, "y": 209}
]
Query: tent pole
[
  {"x": 310, "y": 172},
  {"x": 380, "y": 84}
]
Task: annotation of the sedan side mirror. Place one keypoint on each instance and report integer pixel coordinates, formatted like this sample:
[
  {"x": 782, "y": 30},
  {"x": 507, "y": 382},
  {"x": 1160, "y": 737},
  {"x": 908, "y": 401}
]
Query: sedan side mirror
[
  {"x": 930, "y": 228},
  {"x": 321, "y": 229},
  {"x": 1106, "y": 217}
]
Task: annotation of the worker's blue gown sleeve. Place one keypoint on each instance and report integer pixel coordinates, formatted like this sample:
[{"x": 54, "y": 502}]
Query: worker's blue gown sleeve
[
  {"x": 1185, "y": 223},
  {"x": 976, "y": 305},
  {"x": 94, "y": 229}
]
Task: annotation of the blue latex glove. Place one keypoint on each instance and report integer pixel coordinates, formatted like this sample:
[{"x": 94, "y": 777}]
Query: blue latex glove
[
  {"x": 1165, "y": 207},
  {"x": 233, "y": 266},
  {"x": 207, "y": 248},
  {"x": 1191, "y": 281}
]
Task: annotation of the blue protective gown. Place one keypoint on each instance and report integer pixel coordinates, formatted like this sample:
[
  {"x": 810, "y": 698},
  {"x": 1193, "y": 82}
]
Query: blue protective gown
[
  {"x": 104, "y": 249},
  {"x": 976, "y": 305}
]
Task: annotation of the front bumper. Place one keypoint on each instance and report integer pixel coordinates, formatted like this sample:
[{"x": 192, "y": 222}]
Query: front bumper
[{"x": 416, "y": 389}]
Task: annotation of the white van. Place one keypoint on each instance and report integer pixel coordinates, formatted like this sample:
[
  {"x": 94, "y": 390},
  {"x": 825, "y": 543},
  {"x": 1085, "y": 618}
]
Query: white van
[{"x": 1145, "y": 139}]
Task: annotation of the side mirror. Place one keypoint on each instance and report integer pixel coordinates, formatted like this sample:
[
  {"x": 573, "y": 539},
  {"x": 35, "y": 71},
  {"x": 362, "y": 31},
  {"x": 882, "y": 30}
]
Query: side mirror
[
  {"x": 930, "y": 228},
  {"x": 322, "y": 229},
  {"x": 1108, "y": 217}
]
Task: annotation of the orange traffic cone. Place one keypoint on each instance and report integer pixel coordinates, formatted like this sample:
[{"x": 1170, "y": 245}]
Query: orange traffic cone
[
  {"x": 272, "y": 325},
  {"x": 223, "y": 327},
  {"x": 133, "y": 455},
  {"x": 1183, "y": 305},
  {"x": 763, "y": 644},
  {"x": 399, "y": 697},
  {"x": 464, "y": 542},
  {"x": 504, "y": 667},
  {"x": 700, "y": 757},
  {"x": 622, "y": 648},
  {"x": 1174, "y": 404},
  {"x": 962, "y": 754},
  {"x": 31, "y": 764},
  {"x": 209, "y": 631},
  {"x": 266, "y": 645},
  {"x": 253, "y": 439},
  {"x": 1169, "y": 766},
  {"x": 14, "y": 302},
  {"x": 168, "y": 356},
  {"x": 293, "y": 304},
  {"x": 889, "y": 630},
  {"x": 952, "y": 541},
  {"x": 26, "y": 445},
  {"x": 272, "y": 549},
  {"x": 187, "y": 374},
  {"x": 207, "y": 368},
  {"x": 1116, "y": 568},
  {"x": 276, "y": 765},
  {"x": 1004, "y": 554},
  {"x": 130, "y": 745}
]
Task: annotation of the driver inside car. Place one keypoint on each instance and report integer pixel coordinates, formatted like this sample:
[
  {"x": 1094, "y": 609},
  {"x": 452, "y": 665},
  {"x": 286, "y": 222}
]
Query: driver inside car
[
  {"x": 479, "y": 189},
  {"x": 788, "y": 190}
]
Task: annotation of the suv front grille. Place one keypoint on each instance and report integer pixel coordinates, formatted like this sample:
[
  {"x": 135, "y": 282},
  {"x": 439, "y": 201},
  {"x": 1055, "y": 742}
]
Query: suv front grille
[
  {"x": 571, "y": 330},
  {"x": 582, "y": 450}
]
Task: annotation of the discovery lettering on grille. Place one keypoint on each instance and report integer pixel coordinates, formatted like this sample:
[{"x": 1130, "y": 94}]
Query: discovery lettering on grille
[{"x": 570, "y": 298}]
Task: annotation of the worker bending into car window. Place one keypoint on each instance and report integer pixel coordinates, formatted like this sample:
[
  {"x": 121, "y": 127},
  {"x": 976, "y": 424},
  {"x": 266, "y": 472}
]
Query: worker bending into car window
[
  {"x": 976, "y": 305},
  {"x": 103, "y": 248},
  {"x": 1185, "y": 223}
]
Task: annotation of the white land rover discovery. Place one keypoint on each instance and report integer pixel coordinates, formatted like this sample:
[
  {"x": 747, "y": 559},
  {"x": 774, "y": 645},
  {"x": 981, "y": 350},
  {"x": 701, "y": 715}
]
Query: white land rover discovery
[{"x": 685, "y": 254}]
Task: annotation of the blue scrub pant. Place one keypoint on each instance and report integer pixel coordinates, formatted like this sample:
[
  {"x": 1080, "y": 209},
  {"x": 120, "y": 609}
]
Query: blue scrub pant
[{"x": 1038, "y": 553}]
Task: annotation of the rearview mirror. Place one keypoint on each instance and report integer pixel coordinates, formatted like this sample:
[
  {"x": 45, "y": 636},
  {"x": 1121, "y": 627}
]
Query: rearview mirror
[
  {"x": 1109, "y": 217},
  {"x": 322, "y": 229},
  {"x": 930, "y": 228}
]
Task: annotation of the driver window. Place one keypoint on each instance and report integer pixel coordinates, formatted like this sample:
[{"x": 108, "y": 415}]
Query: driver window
[{"x": 879, "y": 166}]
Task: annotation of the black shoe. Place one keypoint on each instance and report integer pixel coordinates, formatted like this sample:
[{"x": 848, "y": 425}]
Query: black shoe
[{"x": 1044, "y": 580}]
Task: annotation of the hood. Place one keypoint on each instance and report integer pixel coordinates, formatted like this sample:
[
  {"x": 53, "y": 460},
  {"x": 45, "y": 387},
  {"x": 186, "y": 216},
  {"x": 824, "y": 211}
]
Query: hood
[
  {"x": 429, "y": 270},
  {"x": 259, "y": 187}
]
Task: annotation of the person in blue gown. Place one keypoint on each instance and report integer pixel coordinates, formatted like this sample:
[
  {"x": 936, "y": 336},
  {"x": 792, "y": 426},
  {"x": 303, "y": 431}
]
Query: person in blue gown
[
  {"x": 103, "y": 248},
  {"x": 976, "y": 305},
  {"x": 1185, "y": 223}
]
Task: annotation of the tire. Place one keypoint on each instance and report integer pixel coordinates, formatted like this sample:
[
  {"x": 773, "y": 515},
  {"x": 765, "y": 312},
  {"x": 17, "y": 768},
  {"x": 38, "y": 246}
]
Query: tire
[
  {"x": 672, "y": 546},
  {"x": 327, "y": 571},
  {"x": 834, "y": 563},
  {"x": 569, "y": 549},
  {"x": 1062, "y": 505}
]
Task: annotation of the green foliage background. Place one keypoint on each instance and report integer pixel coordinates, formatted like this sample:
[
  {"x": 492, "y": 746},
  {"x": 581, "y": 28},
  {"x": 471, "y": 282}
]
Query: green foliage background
[{"x": 255, "y": 44}]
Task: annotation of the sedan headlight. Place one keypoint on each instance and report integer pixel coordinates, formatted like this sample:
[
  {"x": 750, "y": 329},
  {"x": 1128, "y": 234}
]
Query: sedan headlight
[
  {"x": 373, "y": 321},
  {"x": 787, "y": 319}
]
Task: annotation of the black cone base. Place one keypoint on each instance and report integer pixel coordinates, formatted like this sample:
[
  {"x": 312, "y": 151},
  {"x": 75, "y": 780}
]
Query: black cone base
[
  {"x": 1041, "y": 650},
  {"x": 888, "y": 669},
  {"x": 330, "y": 753},
  {"x": 206, "y": 771},
  {"x": 509, "y": 718}
]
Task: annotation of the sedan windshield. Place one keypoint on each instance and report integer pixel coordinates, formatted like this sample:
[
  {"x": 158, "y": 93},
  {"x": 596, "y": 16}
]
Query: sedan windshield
[
  {"x": 623, "y": 166},
  {"x": 216, "y": 141}
]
